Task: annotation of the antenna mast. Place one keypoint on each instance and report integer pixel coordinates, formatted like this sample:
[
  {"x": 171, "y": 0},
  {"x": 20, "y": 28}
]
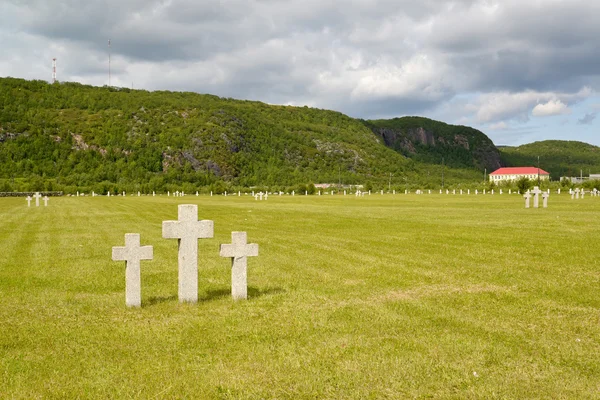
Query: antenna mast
[
  {"x": 108, "y": 62},
  {"x": 54, "y": 70}
]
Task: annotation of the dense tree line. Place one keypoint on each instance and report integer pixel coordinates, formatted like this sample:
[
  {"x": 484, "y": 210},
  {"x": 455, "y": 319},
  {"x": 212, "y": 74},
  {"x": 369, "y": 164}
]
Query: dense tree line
[{"x": 68, "y": 136}]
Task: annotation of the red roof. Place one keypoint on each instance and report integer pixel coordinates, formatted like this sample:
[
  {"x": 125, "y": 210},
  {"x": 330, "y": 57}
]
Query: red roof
[{"x": 519, "y": 171}]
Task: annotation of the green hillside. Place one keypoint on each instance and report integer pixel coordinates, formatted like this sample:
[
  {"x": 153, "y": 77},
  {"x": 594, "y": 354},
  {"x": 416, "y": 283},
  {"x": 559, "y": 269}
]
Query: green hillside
[
  {"x": 559, "y": 157},
  {"x": 429, "y": 141},
  {"x": 67, "y": 136}
]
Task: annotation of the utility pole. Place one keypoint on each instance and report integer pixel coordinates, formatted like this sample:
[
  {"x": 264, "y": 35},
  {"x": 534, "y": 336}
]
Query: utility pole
[
  {"x": 108, "y": 62},
  {"x": 538, "y": 171}
]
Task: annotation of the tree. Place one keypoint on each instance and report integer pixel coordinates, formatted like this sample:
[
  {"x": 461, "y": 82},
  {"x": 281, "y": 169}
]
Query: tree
[{"x": 523, "y": 184}]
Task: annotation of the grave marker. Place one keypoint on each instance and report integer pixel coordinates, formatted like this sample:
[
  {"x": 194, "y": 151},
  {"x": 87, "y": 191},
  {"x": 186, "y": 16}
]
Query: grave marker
[
  {"x": 536, "y": 196},
  {"x": 187, "y": 229},
  {"x": 37, "y": 196},
  {"x": 527, "y": 197},
  {"x": 239, "y": 251},
  {"x": 545, "y": 199},
  {"x": 28, "y": 201},
  {"x": 46, "y": 201},
  {"x": 132, "y": 254}
]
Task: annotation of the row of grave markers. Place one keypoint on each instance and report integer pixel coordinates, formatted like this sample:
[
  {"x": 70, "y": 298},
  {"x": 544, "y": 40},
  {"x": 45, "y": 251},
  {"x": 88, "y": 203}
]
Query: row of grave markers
[
  {"x": 575, "y": 194},
  {"x": 187, "y": 230}
]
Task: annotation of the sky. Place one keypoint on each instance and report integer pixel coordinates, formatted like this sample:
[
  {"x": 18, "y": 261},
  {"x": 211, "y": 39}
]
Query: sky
[{"x": 520, "y": 71}]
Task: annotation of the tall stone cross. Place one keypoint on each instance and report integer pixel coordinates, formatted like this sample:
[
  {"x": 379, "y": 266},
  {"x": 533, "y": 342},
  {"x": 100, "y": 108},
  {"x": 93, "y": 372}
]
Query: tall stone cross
[
  {"x": 132, "y": 254},
  {"x": 28, "y": 201},
  {"x": 46, "y": 201},
  {"x": 239, "y": 251},
  {"x": 527, "y": 197},
  {"x": 545, "y": 196},
  {"x": 536, "y": 196},
  {"x": 37, "y": 196},
  {"x": 187, "y": 229}
]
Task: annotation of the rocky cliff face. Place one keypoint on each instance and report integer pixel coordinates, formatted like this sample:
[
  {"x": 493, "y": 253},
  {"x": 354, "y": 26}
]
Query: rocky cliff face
[{"x": 429, "y": 141}]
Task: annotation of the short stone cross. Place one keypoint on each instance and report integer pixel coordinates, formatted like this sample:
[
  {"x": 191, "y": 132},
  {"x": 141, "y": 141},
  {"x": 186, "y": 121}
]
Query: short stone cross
[
  {"x": 545, "y": 196},
  {"x": 527, "y": 197},
  {"x": 132, "y": 254},
  {"x": 239, "y": 251},
  {"x": 266, "y": 196},
  {"x": 536, "y": 196},
  {"x": 187, "y": 229},
  {"x": 28, "y": 201},
  {"x": 577, "y": 193},
  {"x": 260, "y": 195},
  {"x": 46, "y": 201},
  {"x": 37, "y": 196}
]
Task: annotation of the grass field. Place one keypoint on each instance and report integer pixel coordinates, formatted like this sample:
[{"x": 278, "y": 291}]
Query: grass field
[{"x": 428, "y": 296}]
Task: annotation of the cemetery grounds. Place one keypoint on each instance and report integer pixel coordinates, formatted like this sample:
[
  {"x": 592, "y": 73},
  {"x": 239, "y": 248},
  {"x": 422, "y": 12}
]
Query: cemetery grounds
[{"x": 405, "y": 296}]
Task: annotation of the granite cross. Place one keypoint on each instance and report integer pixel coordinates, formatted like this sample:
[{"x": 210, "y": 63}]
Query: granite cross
[
  {"x": 132, "y": 254},
  {"x": 188, "y": 230},
  {"x": 239, "y": 250},
  {"x": 536, "y": 196},
  {"x": 527, "y": 197},
  {"x": 28, "y": 201},
  {"x": 37, "y": 196}
]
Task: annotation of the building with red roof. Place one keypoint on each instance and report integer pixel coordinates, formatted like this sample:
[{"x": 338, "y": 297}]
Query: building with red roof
[{"x": 515, "y": 173}]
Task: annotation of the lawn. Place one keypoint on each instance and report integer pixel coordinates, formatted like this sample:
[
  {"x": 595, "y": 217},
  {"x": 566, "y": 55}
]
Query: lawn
[{"x": 405, "y": 296}]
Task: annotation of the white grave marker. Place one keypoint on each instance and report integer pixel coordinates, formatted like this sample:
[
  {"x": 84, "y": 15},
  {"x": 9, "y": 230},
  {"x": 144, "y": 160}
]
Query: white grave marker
[
  {"x": 28, "y": 201},
  {"x": 187, "y": 229},
  {"x": 239, "y": 251},
  {"x": 37, "y": 196},
  {"x": 132, "y": 254},
  {"x": 527, "y": 197},
  {"x": 46, "y": 201}
]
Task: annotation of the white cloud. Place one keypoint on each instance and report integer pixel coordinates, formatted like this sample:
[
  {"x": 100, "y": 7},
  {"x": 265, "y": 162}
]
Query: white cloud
[
  {"x": 499, "y": 126},
  {"x": 553, "y": 107}
]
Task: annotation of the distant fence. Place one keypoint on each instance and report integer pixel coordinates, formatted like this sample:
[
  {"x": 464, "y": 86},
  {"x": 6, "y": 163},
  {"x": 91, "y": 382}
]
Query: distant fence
[{"x": 25, "y": 194}]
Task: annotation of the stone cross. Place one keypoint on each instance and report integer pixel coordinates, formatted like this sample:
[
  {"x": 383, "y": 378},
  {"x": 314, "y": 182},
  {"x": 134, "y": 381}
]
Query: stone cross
[
  {"x": 577, "y": 193},
  {"x": 536, "y": 196},
  {"x": 239, "y": 251},
  {"x": 138, "y": 194},
  {"x": 28, "y": 201},
  {"x": 187, "y": 229},
  {"x": 527, "y": 197},
  {"x": 37, "y": 196},
  {"x": 46, "y": 201},
  {"x": 293, "y": 193},
  {"x": 123, "y": 194},
  {"x": 545, "y": 199},
  {"x": 572, "y": 195},
  {"x": 132, "y": 254}
]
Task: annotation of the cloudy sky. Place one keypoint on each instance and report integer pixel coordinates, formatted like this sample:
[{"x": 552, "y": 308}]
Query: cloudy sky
[{"x": 521, "y": 71}]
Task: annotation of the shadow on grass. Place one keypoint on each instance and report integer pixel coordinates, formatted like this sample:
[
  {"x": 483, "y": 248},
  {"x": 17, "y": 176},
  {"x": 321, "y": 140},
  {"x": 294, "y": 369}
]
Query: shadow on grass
[
  {"x": 160, "y": 299},
  {"x": 252, "y": 293},
  {"x": 216, "y": 294}
]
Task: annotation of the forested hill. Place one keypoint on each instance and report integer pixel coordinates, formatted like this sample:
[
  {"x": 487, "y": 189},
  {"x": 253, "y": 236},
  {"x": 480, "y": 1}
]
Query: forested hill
[
  {"x": 68, "y": 135},
  {"x": 429, "y": 141},
  {"x": 559, "y": 157}
]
